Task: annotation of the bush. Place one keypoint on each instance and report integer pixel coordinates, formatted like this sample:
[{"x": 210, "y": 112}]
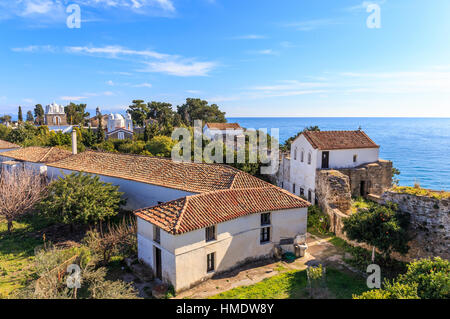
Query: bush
[
  {"x": 160, "y": 146},
  {"x": 379, "y": 226},
  {"x": 318, "y": 222},
  {"x": 424, "y": 279},
  {"x": 432, "y": 277},
  {"x": 393, "y": 290},
  {"x": 81, "y": 198},
  {"x": 119, "y": 238}
]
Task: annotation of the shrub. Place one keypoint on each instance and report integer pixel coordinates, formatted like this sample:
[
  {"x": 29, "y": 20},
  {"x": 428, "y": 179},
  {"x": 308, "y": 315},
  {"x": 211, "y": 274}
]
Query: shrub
[
  {"x": 160, "y": 146},
  {"x": 432, "y": 277},
  {"x": 81, "y": 198},
  {"x": 394, "y": 290},
  {"x": 119, "y": 238},
  {"x": 318, "y": 221},
  {"x": 382, "y": 227}
]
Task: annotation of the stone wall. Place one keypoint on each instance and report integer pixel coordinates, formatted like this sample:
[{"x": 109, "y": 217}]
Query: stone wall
[
  {"x": 430, "y": 224},
  {"x": 376, "y": 178},
  {"x": 333, "y": 192}
]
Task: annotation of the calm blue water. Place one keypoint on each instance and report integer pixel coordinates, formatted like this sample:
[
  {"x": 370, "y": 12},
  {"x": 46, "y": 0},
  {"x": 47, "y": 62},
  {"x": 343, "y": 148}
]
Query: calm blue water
[{"x": 419, "y": 147}]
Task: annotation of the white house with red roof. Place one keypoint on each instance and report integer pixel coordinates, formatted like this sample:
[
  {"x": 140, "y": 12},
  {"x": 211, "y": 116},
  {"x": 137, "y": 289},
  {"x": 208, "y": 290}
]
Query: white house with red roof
[
  {"x": 215, "y": 131},
  {"x": 316, "y": 150}
]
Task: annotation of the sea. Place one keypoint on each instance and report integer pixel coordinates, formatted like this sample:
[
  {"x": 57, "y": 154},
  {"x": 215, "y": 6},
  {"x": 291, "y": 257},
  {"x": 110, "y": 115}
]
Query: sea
[{"x": 418, "y": 147}]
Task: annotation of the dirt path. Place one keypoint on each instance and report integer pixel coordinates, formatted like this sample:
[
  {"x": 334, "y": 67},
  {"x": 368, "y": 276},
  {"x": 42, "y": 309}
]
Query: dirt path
[{"x": 320, "y": 251}]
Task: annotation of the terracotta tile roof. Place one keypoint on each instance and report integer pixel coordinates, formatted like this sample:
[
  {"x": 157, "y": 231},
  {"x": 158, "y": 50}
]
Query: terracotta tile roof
[
  {"x": 207, "y": 209},
  {"x": 37, "y": 154},
  {"x": 335, "y": 140},
  {"x": 190, "y": 177},
  {"x": 223, "y": 126},
  {"x": 6, "y": 145}
]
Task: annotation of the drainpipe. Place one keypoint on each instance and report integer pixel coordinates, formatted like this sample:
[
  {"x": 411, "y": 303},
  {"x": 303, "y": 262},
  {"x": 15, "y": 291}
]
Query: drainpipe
[{"x": 74, "y": 141}]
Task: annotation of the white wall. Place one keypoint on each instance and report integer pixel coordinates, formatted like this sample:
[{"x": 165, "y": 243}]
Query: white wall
[
  {"x": 344, "y": 158},
  {"x": 237, "y": 240},
  {"x": 139, "y": 195},
  {"x": 39, "y": 167},
  {"x": 212, "y": 133},
  {"x": 302, "y": 174}
]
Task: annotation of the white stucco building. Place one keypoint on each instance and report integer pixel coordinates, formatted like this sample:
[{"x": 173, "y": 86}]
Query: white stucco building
[
  {"x": 54, "y": 115},
  {"x": 119, "y": 127},
  {"x": 315, "y": 150},
  {"x": 215, "y": 131},
  {"x": 194, "y": 220}
]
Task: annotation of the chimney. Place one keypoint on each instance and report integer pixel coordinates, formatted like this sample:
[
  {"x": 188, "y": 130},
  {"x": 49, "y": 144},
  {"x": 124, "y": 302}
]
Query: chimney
[{"x": 74, "y": 141}]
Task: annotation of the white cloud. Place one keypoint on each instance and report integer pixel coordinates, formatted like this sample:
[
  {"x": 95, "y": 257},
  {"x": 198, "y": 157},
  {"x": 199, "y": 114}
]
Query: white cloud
[
  {"x": 72, "y": 98},
  {"x": 46, "y": 10},
  {"x": 363, "y": 5},
  {"x": 35, "y": 48},
  {"x": 250, "y": 37},
  {"x": 180, "y": 68},
  {"x": 115, "y": 51},
  {"x": 310, "y": 25},
  {"x": 143, "y": 85},
  {"x": 263, "y": 52}
]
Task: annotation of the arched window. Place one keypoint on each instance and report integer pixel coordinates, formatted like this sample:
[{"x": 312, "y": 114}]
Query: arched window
[
  {"x": 120, "y": 136},
  {"x": 309, "y": 158},
  {"x": 302, "y": 156},
  {"x": 295, "y": 154}
]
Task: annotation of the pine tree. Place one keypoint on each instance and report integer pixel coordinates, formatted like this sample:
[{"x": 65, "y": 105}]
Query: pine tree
[
  {"x": 39, "y": 114},
  {"x": 30, "y": 117},
  {"x": 100, "y": 132}
]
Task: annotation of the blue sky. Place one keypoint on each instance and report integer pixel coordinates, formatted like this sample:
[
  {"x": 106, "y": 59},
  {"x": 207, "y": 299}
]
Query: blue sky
[{"x": 252, "y": 58}]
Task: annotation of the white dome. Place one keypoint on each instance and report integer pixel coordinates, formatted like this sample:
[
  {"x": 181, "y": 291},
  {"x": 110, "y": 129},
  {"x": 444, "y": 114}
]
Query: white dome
[{"x": 119, "y": 117}]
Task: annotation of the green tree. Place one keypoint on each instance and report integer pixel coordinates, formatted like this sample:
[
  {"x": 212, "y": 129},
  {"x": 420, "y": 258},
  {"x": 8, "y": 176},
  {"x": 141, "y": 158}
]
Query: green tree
[
  {"x": 139, "y": 112},
  {"x": 19, "y": 115},
  {"x": 76, "y": 113},
  {"x": 151, "y": 130},
  {"x": 160, "y": 146},
  {"x": 39, "y": 114},
  {"x": 5, "y": 119},
  {"x": 394, "y": 290},
  {"x": 425, "y": 279},
  {"x": 382, "y": 227},
  {"x": 30, "y": 117},
  {"x": 81, "y": 198},
  {"x": 100, "y": 131},
  {"x": 197, "y": 109},
  {"x": 286, "y": 147},
  {"x": 432, "y": 277}
]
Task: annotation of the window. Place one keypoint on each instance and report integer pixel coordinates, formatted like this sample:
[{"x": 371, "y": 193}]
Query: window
[
  {"x": 293, "y": 188},
  {"x": 265, "y": 235},
  {"x": 210, "y": 233},
  {"x": 302, "y": 192},
  {"x": 265, "y": 219},
  {"x": 355, "y": 158},
  {"x": 309, "y": 196},
  {"x": 309, "y": 158},
  {"x": 156, "y": 234},
  {"x": 302, "y": 156},
  {"x": 120, "y": 136},
  {"x": 210, "y": 260},
  {"x": 295, "y": 155}
]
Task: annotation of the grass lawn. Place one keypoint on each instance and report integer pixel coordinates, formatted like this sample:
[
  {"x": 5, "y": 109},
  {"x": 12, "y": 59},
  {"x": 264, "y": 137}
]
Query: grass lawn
[
  {"x": 294, "y": 285},
  {"x": 17, "y": 253}
]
